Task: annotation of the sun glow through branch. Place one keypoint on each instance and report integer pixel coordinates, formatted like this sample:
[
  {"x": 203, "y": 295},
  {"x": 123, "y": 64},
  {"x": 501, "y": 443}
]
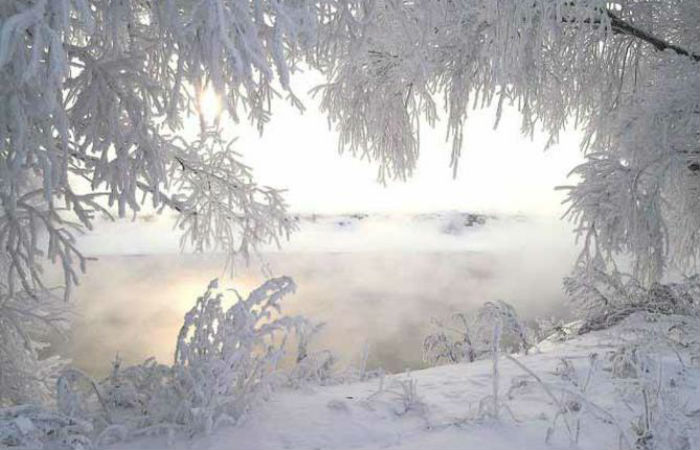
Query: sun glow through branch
[{"x": 209, "y": 107}]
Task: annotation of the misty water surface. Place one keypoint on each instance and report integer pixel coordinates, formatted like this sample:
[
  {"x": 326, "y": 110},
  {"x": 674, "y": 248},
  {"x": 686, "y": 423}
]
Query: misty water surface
[{"x": 134, "y": 304}]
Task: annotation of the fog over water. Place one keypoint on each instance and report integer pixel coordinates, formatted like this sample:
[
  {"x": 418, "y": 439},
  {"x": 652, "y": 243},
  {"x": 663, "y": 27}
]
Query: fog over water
[{"x": 375, "y": 280}]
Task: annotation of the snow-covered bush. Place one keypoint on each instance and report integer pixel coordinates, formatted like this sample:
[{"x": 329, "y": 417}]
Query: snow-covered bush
[
  {"x": 317, "y": 368},
  {"x": 468, "y": 337},
  {"x": 226, "y": 360},
  {"x": 32, "y": 426},
  {"x": 513, "y": 335},
  {"x": 361, "y": 371},
  {"x": 311, "y": 367},
  {"x": 133, "y": 386},
  {"x": 551, "y": 328},
  {"x": 452, "y": 341},
  {"x": 401, "y": 394},
  {"x": 648, "y": 369},
  {"x": 322, "y": 367},
  {"x": 27, "y": 372},
  {"x": 494, "y": 328},
  {"x": 605, "y": 297}
]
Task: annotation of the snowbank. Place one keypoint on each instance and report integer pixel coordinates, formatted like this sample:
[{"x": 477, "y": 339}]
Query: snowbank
[{"x": 440, "y": 407}]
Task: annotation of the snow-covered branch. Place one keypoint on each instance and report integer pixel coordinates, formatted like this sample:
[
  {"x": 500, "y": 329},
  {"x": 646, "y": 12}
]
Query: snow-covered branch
[{"x": 587, "y": 64}]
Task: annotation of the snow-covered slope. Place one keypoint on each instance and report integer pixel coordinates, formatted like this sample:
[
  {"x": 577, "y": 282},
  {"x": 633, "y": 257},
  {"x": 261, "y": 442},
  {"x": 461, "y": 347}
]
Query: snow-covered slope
[{"x": 443, "y": 407}]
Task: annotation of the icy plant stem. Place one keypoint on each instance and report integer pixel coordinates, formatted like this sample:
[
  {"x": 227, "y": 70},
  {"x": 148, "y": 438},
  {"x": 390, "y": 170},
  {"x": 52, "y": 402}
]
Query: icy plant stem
[
  {"x": 608, "y": 416},
  {"x": 584, "y": 400},
  {"x": 546, "y": 390},
  {"x": 495, "y": 354},
  {"x": 363, "y": 362},
  {"x": 591, "y": 368}
]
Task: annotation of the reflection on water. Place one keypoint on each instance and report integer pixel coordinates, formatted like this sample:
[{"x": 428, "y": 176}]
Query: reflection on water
[{"x": 134, "y": 305}]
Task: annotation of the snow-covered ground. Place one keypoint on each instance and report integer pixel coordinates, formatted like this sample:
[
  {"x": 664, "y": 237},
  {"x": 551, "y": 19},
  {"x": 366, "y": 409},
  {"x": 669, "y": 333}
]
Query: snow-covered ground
[
  {"x": 448, "y": 408},
  {"x": 587, "y": 392}
]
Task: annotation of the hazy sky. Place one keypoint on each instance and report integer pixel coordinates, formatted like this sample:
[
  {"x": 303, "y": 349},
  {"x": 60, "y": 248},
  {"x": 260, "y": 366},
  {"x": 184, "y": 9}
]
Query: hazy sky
[{"x": 500, "y": 170}]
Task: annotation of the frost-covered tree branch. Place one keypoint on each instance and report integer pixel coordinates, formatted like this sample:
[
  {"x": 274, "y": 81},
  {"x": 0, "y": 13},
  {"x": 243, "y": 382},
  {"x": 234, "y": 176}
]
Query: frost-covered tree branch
[
  {"x": 625, "y": 73},
  {"x": 95, "y": 90},
  {"x": 620, "y": 26},
  {"x": 92, "y": 92}
]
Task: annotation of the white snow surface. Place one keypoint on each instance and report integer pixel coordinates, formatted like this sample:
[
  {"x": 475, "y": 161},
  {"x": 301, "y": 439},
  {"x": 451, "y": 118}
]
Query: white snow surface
[{"x": 358, "y": 416}]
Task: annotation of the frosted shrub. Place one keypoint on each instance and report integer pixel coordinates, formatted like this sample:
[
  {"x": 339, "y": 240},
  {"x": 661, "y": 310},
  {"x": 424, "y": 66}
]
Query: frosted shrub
[
  {"x": 30, "y": 426},
  {"x": 226, "y": 360},
  {"x": 513, "y": 333},
  {"x": 406, "y": 394},
  {"x": 312, "y": 367},
  {"x": 129, "y": 387},
  {"x": 494, "y": 328},
  {"x": 25, "y": 374},
  {"x": 647, "y": 380},
  {"x": 468, "y": 337},
  {"x": 322, "y": 367},
  {"x": 139, "y": 399},
  {"x": 401, "y": 394},
  {"x": 451, "y": 342},
  {"x": 316, "y": 368},
  {"x": 552, "y": 329},
  {"x": 604, "y": 298}
]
